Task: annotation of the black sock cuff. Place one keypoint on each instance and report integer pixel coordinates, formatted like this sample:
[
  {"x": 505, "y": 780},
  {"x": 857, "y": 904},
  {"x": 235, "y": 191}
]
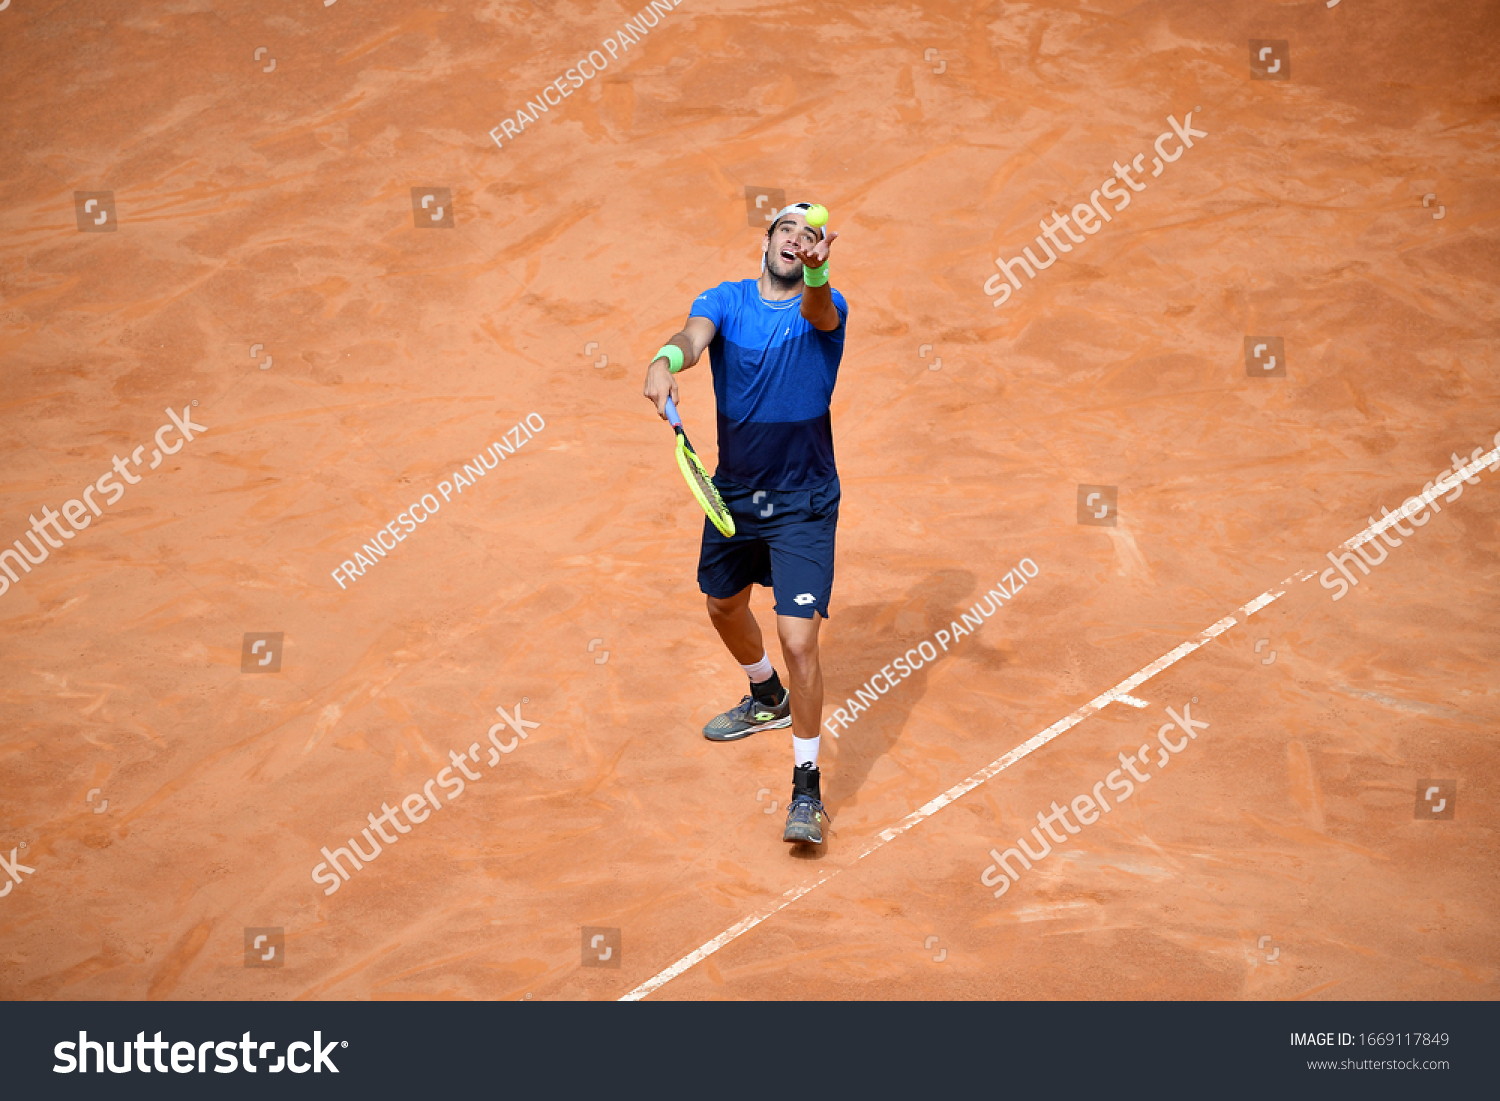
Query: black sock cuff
[{"x": 767, "y": 691}]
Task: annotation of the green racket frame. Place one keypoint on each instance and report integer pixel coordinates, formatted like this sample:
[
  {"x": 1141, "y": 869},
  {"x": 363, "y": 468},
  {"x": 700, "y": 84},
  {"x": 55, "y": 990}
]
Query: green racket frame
[{"x": 697, "y": 478}]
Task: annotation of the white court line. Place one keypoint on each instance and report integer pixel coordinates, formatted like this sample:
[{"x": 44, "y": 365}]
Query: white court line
[
  {"x": 1439, "y": 488},
  {"x": 1032, "y": 744}
]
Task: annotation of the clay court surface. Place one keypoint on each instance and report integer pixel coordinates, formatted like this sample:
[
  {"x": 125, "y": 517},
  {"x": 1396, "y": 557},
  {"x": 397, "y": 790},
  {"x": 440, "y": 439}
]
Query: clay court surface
[{"x": 166, "y": 800}]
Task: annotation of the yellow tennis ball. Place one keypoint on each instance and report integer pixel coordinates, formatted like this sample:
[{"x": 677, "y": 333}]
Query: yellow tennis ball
[{"x": 817, "y": 217}]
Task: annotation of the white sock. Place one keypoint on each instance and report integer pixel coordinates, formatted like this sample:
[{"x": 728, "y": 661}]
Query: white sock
[
  {"x": 760, "y": 671},
  {"x": 805, "y": 750}
]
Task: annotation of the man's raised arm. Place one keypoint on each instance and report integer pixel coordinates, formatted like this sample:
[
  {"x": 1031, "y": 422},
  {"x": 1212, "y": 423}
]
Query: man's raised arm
[{"x": 817, "y": 296}]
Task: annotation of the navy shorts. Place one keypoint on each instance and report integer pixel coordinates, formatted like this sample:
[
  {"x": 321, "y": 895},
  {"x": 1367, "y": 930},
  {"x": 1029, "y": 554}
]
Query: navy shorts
[{"x": 782, "y": 538}]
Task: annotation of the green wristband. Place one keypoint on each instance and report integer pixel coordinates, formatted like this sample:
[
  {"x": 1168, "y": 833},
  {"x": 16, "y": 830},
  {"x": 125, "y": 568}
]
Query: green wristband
[
  {"x": 673, "y": 355},
  {"x": 815, "y": 277}
]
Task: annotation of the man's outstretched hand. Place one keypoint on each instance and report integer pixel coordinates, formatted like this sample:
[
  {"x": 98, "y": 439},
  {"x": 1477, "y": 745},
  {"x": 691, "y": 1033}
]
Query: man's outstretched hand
[{"x": 816, "y": 256}]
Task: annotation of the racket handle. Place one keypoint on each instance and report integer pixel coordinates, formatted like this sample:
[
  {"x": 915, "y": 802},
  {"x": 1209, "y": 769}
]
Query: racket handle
[{"x": 672, "y": 416}]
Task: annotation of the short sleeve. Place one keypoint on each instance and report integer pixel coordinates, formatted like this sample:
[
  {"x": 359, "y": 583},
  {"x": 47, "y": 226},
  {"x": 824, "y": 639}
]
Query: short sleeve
[{"x": 713, "y": 304}]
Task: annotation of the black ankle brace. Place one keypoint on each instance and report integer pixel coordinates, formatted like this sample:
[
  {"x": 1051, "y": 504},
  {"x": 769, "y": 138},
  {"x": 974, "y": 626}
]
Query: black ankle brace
[
  {"x": 805, "y": 782},
  {"x": 767, "y": 691}
]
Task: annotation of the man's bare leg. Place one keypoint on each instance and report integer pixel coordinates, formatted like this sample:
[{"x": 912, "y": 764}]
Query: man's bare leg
[
  {"x": 799, "y": 646},
  {"x": 736, "y": 625},
  {"x": 769, "y": 706}
]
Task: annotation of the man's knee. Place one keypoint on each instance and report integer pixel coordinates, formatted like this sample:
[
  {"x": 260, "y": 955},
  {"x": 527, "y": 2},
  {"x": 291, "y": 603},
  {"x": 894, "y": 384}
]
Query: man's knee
[
  {"x": 801, "y": 663},
  {"x": 800, "y": 649},
  {"x": 729, "y": 606}
]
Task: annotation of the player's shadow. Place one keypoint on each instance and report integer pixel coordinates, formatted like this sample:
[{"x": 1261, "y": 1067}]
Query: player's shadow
[{"x": 869, "y": 637}]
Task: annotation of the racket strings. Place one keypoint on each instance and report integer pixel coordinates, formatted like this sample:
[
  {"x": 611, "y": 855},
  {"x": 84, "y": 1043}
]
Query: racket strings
[
  {"x": 702, "y": 486},
  {"x": 707, "y": 488}
]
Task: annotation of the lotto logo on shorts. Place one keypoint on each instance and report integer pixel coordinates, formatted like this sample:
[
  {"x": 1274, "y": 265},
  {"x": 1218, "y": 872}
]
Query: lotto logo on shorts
[
  {"x": 432, "y": 207},
  {"x": 1270, "y": 59},
  {"x": 762, "y": 203},
  {"x": 1098, "y": 505},
  {"x": 1265, "y": 357},
  {"x": 95, "y": 210}
]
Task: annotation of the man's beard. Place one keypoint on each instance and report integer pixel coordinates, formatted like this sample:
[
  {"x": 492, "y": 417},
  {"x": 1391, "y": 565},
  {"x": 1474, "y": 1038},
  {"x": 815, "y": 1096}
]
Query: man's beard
[{"x": 793, "y": 271}]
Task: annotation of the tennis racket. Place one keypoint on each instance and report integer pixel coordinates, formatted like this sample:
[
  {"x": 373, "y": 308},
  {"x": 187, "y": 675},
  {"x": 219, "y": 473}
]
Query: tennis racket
[{"x": 697, "y": 478}]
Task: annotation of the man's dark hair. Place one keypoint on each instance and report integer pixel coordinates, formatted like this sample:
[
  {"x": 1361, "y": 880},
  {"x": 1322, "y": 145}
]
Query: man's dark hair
[{"x": 802, "y": 208}]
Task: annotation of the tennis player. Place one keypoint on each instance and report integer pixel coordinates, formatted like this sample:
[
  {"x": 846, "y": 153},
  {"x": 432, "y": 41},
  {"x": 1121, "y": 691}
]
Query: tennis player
[{"x": 774, "y": 346}]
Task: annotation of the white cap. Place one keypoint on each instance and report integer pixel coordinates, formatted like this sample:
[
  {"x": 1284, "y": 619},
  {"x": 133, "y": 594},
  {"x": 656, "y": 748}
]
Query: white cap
[{"x": 794, "y": 208}]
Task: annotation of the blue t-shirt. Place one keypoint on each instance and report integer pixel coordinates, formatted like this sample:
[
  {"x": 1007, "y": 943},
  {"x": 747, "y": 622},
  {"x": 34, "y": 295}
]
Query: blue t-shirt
[{"x": 773, "y": 380}]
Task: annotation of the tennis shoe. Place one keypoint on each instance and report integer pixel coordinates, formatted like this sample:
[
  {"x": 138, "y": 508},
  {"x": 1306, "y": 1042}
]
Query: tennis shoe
[
  {"x": 804, "y": 820},
  {"x": 805, "y": 815},
  {"x": 750, "y": 716}
]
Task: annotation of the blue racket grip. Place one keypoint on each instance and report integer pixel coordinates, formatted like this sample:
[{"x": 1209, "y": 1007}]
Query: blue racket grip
[{"x": 672, "y": 416}]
